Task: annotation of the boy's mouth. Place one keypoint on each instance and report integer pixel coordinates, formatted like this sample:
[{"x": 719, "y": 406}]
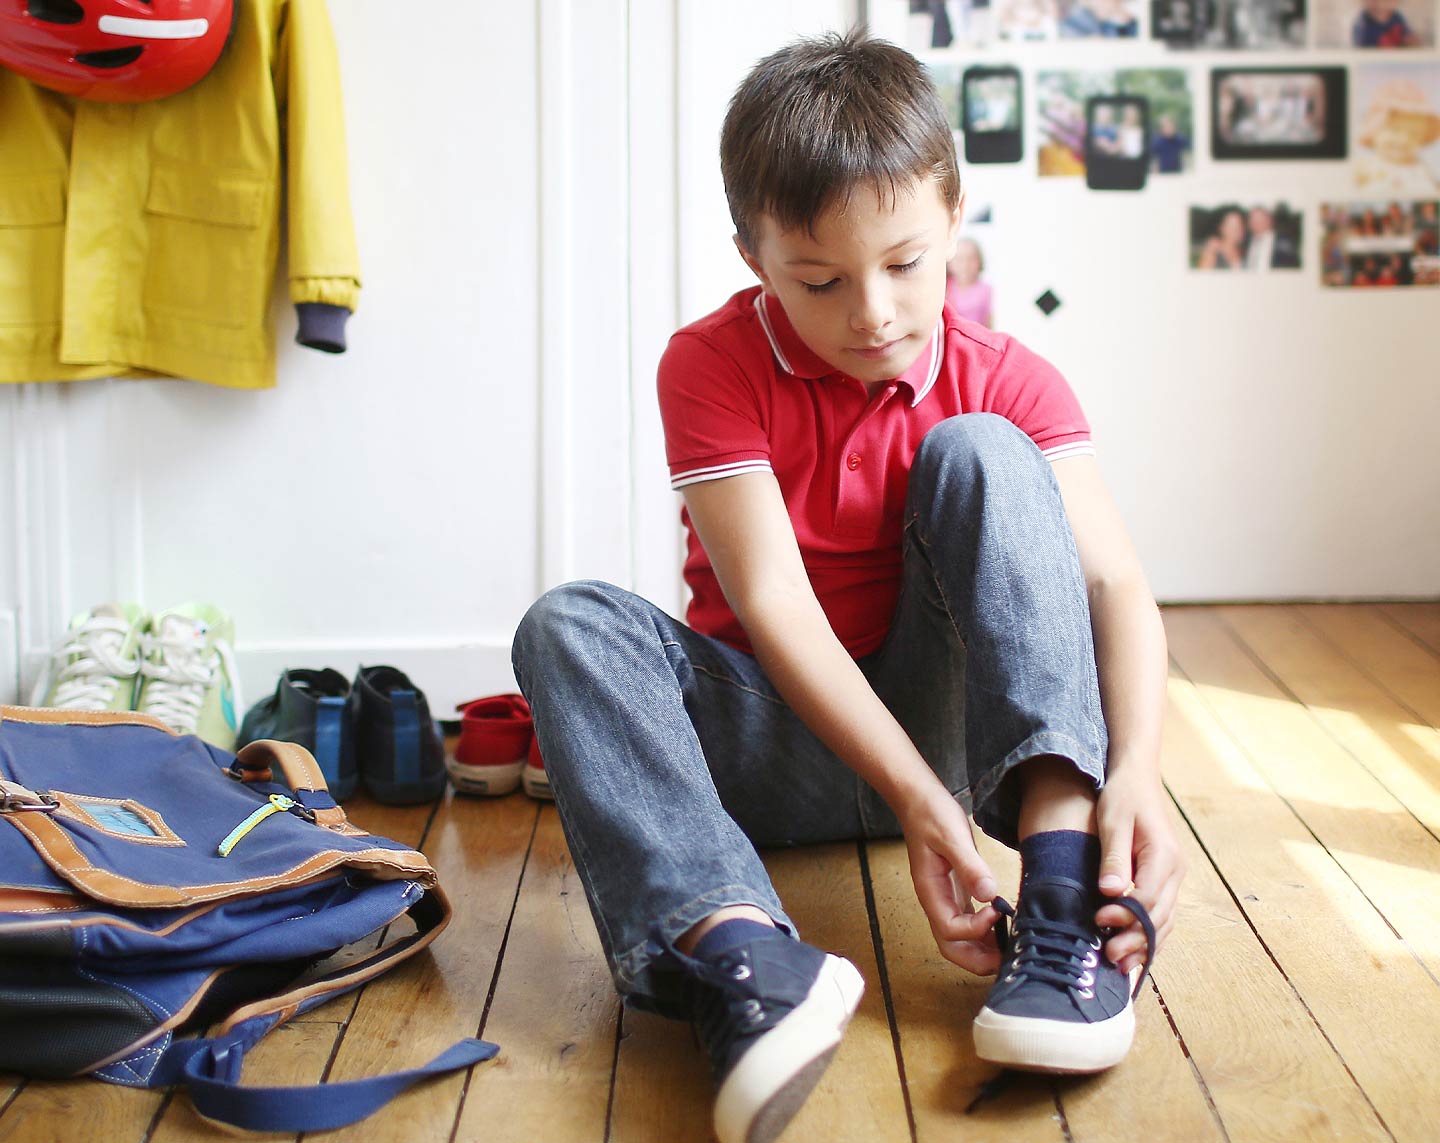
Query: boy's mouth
[{"x": 876, "y": 352}]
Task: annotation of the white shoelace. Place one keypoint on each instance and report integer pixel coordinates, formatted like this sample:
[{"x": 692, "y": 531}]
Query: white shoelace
[
  {"x": 175, "y": 686},
  {"x": 98, "y": 669}
]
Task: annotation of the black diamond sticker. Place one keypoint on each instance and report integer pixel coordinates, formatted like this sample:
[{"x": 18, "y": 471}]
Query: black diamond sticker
[{"x": 1048, "y": 303}]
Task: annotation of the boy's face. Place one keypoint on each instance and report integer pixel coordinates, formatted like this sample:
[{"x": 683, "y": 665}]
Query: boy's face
[{"x": 865, "y": 291}]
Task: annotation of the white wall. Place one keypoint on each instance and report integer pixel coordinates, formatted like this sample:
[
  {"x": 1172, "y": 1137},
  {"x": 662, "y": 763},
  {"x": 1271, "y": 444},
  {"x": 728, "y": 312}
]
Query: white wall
[{"x": 535, "y": 217}]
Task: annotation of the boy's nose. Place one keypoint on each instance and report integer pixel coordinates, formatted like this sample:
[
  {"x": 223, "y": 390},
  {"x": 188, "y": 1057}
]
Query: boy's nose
[{"x": 874, "y": 309}]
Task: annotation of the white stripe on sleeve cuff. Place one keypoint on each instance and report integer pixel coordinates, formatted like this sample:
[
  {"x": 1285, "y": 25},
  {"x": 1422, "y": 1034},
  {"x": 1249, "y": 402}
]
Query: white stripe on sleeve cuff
[
  {"x": 718, "y": 472},
  {"x": 1074, "y": 448}
]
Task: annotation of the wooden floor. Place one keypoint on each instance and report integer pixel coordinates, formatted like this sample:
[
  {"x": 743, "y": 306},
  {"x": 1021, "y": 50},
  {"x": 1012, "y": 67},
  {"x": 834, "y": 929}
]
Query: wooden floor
[{"x": 1297, "y": 998}]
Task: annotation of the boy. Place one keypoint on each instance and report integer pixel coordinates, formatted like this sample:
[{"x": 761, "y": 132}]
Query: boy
[{"x": 889, "y": 622}]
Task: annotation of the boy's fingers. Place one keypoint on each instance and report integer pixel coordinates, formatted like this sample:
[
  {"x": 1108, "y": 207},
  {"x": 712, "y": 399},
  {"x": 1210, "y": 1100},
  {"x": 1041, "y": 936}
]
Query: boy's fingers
[{"x": 1116, "y": 857}]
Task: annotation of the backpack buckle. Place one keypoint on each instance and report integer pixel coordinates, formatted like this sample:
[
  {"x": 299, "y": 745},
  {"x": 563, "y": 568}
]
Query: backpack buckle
[{"x": 15, "y": 798}]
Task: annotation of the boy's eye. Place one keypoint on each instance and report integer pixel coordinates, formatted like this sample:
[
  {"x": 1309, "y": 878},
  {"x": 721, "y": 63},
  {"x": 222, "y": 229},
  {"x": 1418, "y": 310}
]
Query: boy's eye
[
  {"x": 821, "y": 288},
  {"x": 908, "y": 266}
]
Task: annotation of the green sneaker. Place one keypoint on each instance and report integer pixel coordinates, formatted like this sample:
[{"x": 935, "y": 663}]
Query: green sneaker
[
  {"x": 96, "y": 667},
  {"x": 188, "y": 678}
]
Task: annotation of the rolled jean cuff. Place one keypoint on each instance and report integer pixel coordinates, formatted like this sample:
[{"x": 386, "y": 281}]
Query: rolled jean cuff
[
  {"x": 647, "y": 983},
  {"x": 997, "y": 811}
]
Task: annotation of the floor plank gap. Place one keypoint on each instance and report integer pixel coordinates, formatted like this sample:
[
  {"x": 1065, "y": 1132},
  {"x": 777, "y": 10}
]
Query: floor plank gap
[{"x": 878, "y": 941}]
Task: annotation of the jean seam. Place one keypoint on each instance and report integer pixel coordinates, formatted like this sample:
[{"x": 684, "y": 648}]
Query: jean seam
[
  {"x": 913, "y": 527},
  {"x": 719, "y": 678}
]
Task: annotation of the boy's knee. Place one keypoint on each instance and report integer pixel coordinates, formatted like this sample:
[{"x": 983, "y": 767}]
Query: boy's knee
[
  {"x": 559, "y": 616},
  {"x": 967, "y": 447}
]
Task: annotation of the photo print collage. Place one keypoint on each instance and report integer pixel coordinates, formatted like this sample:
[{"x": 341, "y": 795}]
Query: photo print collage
[{"x": 1119, "y": 126}]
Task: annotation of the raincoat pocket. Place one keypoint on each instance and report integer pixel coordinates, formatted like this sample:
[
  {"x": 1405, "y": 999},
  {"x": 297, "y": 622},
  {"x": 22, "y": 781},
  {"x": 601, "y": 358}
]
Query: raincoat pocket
[
  {"x": 207, "y": 258},
  {"x": 32, "y": 249}
]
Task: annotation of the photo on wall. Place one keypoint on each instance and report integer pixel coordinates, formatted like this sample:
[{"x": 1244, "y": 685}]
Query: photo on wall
[
  {"x": 1380, "y": 243},
  {"x": 1278, "y": 113},
  {"x": 1062, "y": 97},
  {"x": 1374, "y": 23},
  {"x": 1397, "y": 129},
  {"x": 1234, "y": 236},
  {"x": 1042, "y": 20},
  {"x": 1229, "y": 25},
  {"x": 935, "y": 25}
]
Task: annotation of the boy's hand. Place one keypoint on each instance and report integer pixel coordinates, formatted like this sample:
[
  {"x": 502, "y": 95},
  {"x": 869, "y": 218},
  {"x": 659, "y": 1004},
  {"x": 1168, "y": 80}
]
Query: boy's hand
[
  {"x": 947, "y": 873},
  {"x": 1137, "y": 840}
]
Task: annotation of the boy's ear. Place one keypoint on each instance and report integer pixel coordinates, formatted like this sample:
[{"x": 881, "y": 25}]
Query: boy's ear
[
  {"x": 952, "y": 243},
  {"x": 753, "y": 263}
]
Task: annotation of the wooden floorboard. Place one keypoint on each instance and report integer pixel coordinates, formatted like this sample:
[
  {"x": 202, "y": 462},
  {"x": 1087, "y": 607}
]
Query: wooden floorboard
[{"x": 1298, "y": 997}]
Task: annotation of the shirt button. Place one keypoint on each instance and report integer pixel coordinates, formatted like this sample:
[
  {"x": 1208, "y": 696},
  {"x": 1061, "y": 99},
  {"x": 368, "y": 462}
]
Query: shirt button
[{"x": 852, "y": 462}]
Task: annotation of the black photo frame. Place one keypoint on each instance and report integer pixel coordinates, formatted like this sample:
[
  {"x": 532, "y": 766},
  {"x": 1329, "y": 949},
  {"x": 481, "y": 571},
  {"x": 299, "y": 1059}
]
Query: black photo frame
[
  {"x": 1278, "y": 113},
  {"x": 992, "y": 113},
  {"x": 1117, "y": 142}
]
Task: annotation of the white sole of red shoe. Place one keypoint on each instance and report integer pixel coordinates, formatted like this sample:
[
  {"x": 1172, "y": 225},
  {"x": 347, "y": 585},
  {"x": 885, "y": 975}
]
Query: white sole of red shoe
[
  {"x": 485, "y": 781},
  {"x": 537, "y": 784}
]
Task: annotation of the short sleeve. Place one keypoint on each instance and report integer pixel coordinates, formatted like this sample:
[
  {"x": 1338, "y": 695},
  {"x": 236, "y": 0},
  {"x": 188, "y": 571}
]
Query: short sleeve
[
  {"x": 712, "y": 413},
  {"x": 1031, "y": 393}
]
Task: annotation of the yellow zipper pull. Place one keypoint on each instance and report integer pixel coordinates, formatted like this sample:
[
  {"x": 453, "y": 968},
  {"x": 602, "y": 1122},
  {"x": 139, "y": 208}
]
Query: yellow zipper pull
[{"x": 279, "y": 803}]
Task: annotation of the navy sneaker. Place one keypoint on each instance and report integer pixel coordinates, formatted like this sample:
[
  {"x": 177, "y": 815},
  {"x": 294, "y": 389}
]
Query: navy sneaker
[
  {"x": 770, "y": 1013},
  {"x": 309, "y": 708},
  {"x": 397, "y": 744},
  {"x": 1059, "y": 1005}
]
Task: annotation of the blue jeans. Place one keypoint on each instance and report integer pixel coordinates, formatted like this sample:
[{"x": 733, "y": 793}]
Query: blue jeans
[{"x": 672, "y": 757}]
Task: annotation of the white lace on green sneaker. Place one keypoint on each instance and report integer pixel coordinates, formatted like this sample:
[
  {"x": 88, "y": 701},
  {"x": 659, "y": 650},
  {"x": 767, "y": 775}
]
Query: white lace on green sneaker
[
  {"x": 188, "y": 673},
  {"x": 95, "y": 668}
]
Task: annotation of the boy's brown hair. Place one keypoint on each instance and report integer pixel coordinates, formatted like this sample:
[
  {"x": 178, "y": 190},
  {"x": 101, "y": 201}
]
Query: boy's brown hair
[{"x": 823, "y": 116}]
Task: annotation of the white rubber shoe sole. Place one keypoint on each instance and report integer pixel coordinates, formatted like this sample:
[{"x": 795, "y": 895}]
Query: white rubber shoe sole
[
  {"x": 765, "y": 1089},
  {"x": 486, "y": 781},
  {"x": 537, "y": 783},
  {"x": 1031, "y": 1044}
]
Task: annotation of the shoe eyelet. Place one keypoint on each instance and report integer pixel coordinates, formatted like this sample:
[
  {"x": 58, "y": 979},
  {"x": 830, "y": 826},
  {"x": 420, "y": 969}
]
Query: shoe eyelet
[
  {"x": 1086, "y": 980},
  {"x": 1010, "y": 977},
  {"x": 1095, "y": 943},
  {"x": 1085, "y": 994},
  {"x": 1090, "y": 961},
  {"x": 753, "y": 1011},
  {"x": 741, "y": 971}
]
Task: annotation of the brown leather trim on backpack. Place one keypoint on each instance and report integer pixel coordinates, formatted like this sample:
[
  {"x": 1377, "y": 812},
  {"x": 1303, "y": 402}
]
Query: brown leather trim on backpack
[
  {"x": 59, "y": 851},
  {"x": 298, "y": 765},
  {"x": 83, "y": 717},
  {"x": 382, "y": 960},
  {"x": 14, "y": 900}
]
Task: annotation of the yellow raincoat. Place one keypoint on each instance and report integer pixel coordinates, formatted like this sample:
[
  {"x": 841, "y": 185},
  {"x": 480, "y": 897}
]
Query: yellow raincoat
[{"x": 141, "y": 239}]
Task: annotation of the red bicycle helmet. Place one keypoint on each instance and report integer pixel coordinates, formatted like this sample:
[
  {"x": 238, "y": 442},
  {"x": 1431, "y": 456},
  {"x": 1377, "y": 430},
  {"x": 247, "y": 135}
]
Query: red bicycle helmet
[{"x": 114, "y": 51}]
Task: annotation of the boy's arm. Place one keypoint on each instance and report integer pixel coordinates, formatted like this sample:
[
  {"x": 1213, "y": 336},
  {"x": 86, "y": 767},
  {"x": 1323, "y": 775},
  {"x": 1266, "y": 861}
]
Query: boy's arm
[
  {"x": 745, "y": 528},
  {"x": 1137, "y": 837}
]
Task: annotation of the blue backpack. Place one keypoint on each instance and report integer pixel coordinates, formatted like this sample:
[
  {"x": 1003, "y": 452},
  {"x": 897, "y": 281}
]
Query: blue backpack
[{"x": 152, "y": 885}]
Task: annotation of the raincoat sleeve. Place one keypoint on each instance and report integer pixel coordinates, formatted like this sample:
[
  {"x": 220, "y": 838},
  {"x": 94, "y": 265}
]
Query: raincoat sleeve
[{"x": 324, "y": 266}]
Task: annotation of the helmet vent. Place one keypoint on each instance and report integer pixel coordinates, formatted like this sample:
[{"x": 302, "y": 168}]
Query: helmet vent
[
  {"x": 55, "y": 11},
  {"x": 115, "y": 57}
]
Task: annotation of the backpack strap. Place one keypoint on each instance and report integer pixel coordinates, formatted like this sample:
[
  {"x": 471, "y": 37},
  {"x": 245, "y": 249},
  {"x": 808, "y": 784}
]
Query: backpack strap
[
  {"x": 210, "y": 1072},
  {"x": 210, "y": 1068}
]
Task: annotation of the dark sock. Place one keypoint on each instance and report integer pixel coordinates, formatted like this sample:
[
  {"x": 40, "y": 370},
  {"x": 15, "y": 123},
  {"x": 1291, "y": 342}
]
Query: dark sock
[
  {"x": 1061, "y": 853},
  {"x": 729, "y": 935}
]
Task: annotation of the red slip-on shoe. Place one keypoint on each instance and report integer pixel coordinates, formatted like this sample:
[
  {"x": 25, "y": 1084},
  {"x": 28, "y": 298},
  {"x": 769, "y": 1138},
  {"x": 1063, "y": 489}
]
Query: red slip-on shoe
[
  {"x": 495, "y": 735},
  {"x": 537, "y": 782}
]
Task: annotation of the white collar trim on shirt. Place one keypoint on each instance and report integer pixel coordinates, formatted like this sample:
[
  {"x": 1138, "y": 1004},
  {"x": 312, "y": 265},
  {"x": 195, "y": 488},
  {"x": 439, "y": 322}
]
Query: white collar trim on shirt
[
  {"x": 937, "y": 341},
  {"x": 936, "y": 344},
  {"x": 770, "y": 332}
]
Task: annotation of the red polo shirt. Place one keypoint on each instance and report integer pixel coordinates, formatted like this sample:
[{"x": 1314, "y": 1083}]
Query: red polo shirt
[{"x": 740, "y": 392}]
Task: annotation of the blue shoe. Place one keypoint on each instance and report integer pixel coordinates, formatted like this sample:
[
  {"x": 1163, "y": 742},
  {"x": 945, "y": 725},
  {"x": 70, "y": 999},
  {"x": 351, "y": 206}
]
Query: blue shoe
[
  {"x": 1059, "y": 1005},
  {"x": 397, "y": 744},
  {"x": 309, "y": 707},
  {"x": 770, "y": 1013}
]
